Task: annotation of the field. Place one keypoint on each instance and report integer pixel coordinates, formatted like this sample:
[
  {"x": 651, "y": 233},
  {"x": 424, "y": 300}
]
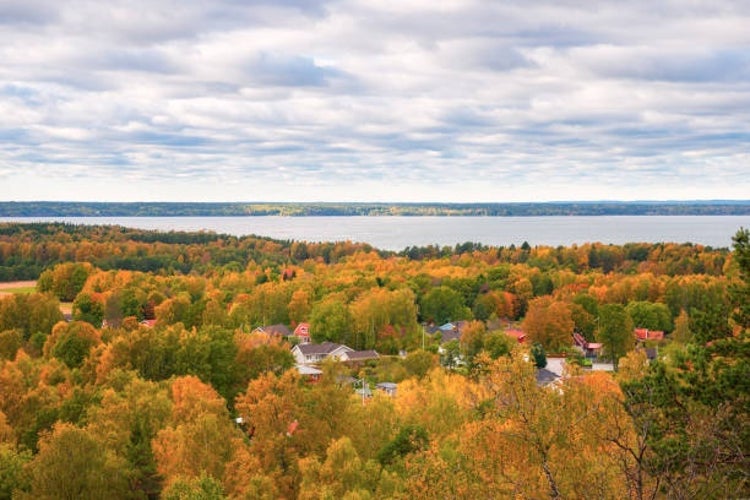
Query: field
[{"x": 17, "y": 287}]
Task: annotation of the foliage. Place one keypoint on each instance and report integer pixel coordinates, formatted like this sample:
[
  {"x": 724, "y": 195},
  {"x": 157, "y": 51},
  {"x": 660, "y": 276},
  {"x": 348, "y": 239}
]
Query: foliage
[
  {"x": 615, "y": 331},
  {"x": 540, "y": 358},
  {"x": 549, "y": 322},
  {"x": 194, "y": 405}
]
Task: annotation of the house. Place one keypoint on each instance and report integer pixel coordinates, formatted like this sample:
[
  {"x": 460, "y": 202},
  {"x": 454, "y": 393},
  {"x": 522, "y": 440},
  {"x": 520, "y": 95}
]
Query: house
[
  {"x": 302, "y": 332},
  {"x": 387, "y": 387},
  {"x": 589, "y": 349},
  {"x": 148, "y": 322},
  {"x": 305, "y": 354},
  {"x": 451, "y": 331},
  {"x": 356, "y": 356},
  {"x": 277, "y": 330},
  {"x": 309, "y": 373},
  {"x": 644, "y": 334},
  {"x": 517, "y": 334}
]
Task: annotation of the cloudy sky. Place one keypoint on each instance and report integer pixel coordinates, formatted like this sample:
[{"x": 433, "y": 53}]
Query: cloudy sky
[{"x": 374, "y": 100}]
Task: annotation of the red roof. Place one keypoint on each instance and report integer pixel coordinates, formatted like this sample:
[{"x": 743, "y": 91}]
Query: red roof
[
  {"x": 646, "y": 334},
  {"x": 519, "y": 335},
  {"x": 302, "y": 330}
]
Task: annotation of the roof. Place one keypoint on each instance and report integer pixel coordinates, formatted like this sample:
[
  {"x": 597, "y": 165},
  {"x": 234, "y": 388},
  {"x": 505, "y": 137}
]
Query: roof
[
  {"x": 277, "y": 329},
  {"x": 324, "y": 348},
  {"x": 641, "y": 333},
  {"x": 519, "y": 335},
  {"x": 449, "y": 335},
  {"x": 386, "y": 385},
  {"x": 302, "y": 330},
  {"x": 362, "y": 355},
  {"x": 544, "y": 376},
  {"x": 308, "y": 370},
  {"x": 646, "y": 334}
]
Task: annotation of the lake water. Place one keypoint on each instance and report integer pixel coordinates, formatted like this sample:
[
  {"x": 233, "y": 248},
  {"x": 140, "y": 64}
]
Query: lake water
[{"x": 397, "y": 233}]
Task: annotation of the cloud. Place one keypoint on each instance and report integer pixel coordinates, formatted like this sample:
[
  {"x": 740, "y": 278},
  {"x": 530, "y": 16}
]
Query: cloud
[{"x": 350, "y": 99}]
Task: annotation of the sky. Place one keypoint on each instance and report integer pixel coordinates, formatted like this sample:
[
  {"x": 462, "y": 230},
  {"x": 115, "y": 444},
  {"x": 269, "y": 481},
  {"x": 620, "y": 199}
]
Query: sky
[{"x": 374, "y": 100}]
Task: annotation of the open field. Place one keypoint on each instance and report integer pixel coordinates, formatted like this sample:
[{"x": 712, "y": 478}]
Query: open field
[{"x": 17, "y": 287}]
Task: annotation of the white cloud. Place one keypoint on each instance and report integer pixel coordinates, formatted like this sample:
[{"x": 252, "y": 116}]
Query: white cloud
[{"x": 353, "y": 100}]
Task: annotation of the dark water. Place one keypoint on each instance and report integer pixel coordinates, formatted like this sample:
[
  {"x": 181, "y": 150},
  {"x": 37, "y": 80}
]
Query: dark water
[{"x": 397, "y": 233}]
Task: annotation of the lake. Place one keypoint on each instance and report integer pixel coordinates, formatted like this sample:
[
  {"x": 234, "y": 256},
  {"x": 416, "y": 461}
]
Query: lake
[{"x": 397, "y": 233}]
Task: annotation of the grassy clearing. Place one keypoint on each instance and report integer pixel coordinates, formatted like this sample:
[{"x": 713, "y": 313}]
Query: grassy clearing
[
  {"x": 17, "y": 287},
  {"x": 26, "y": 289}
]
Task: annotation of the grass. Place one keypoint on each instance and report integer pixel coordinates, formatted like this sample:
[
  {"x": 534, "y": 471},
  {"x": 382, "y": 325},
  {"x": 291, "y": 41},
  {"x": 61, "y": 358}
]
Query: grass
[{"x": 19, "y": 289}]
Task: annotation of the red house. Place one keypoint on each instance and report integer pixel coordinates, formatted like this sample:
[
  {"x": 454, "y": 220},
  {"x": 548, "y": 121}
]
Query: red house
[
  {"x": 302, "y": 332},
  {"x": 644, "y": 334}
]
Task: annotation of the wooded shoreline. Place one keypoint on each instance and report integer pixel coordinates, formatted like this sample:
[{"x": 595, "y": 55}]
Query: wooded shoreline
[{"x": 294, "y": 209}]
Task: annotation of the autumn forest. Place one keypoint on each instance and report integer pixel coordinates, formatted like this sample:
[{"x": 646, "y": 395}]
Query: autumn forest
[{"x": 141, "y": 364}]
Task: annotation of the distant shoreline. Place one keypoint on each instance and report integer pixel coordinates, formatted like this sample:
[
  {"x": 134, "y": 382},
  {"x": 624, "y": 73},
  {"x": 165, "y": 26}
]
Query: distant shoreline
[{"x": 292, "y": 209}]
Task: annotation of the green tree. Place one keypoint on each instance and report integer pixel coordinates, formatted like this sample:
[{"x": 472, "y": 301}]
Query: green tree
[
  {"x": 85, "y": 308},
  {"x": 740, "y": 292},
  {"x": 203, "y": 487},
  {"x": 71, "y": 342},
  {"x": 540, "y": 358},
  {"x": 443, "y": 304},
  {"x": 12, "y": 463},
  {"x": 330, "y": 320},
  {"x": 71, "y": 464},
  {"x": 654, "y": 316},
  {"x": 615, "y": 331}
]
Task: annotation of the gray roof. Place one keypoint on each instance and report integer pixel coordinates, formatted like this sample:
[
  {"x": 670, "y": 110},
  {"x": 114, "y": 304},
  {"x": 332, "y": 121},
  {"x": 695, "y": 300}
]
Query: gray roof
[
  {"x": 308, "y": 370},
  {"x": 277, "y": 329},
  {"x": 324, "y": 348},
  {"x": 544, "y": 376},
  {"x": 386, "y": 385},
  {"x": 369, "y": 354}
]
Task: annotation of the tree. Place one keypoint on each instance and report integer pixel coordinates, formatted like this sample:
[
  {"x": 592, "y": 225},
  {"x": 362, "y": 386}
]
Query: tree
[
  {"x": 740, "y": 292},
  {"x": 330, "y": 320},
  {"x": 65, "y": 280},
  {"x": 650, "y": 315},
  {"x": 549, "y": 322},
  {"x": 201, "y": 438},
  {"x": 615, "y": 331},
  {"x": 472, "y": 340},
  {"x": 203, "y": 487},
  {"x": 540, "y": 358},
  {"x": 71, "y": 342},
  {"x": 85, "y": 308},
  {"x": 681, "y": 331},
  {"x": 71, "y": 464},
  {"x": 443, "y": 304},
  {"x": 12, "y": 463}
]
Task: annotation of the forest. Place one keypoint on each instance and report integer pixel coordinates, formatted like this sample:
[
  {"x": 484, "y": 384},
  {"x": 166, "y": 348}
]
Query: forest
[
  {"x": 141, "y": 364},
  {"x": 236, "y": 209}
]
